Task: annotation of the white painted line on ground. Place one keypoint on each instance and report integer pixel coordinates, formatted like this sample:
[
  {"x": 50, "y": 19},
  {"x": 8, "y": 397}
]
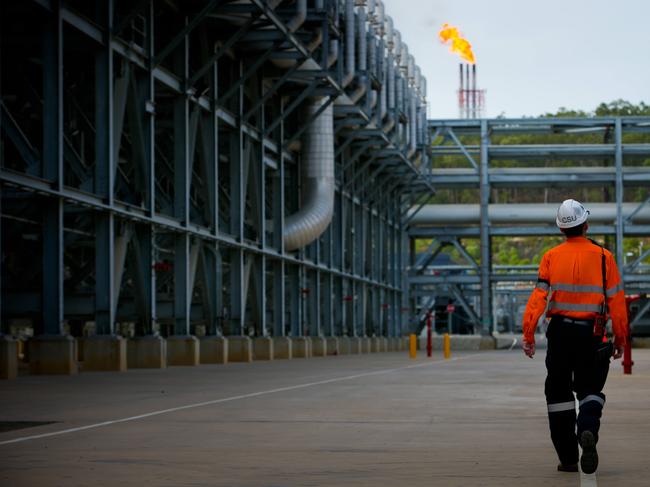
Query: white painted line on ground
[
  {"x": 586, "y": 480},
  {"x": 225, "y": 399}
]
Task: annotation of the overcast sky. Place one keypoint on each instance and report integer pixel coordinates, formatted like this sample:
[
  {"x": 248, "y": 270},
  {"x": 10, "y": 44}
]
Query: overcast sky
[{"x": 532, "y": 56}]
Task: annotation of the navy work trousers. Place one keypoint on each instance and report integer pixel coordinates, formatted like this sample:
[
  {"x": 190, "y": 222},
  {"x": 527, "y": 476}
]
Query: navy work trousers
[{"x": 573, "y": 365}]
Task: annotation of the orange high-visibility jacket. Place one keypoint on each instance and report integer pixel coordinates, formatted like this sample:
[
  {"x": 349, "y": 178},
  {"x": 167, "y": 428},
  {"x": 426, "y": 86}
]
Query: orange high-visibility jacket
[{"x": 572, "y": 272}]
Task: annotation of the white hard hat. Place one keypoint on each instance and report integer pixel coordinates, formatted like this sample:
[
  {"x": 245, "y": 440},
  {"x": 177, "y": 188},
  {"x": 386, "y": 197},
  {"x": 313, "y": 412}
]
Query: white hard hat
[{"x": 570, "y": 214}]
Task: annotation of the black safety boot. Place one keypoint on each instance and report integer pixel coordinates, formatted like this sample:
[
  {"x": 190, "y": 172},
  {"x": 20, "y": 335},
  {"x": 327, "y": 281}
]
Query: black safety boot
[
  {"x": 589, "y": 458},
  {"x": 573, "y": 467}
]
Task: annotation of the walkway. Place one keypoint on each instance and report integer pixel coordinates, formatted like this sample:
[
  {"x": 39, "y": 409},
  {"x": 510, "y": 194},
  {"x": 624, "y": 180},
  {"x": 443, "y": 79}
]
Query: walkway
[{"x": 365, "y": 420}]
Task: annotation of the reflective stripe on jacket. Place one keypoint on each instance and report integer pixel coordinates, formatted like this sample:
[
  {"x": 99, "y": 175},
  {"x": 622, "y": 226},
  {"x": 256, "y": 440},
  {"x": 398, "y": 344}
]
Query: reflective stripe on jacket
[{"x": 572, "y": 274}]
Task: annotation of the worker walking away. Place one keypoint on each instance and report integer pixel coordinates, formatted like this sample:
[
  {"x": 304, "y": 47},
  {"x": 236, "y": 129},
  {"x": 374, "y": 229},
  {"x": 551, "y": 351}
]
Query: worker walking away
[{"x": 585, "y": 290}]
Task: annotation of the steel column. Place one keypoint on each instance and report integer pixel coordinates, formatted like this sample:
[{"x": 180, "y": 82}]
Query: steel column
[
  {"x": 618, "y": 160},
  {"x": 486, "y": 244}
]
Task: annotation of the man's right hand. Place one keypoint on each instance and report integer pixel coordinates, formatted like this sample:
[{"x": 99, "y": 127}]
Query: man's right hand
[
  {"x": 529, "y": 349},
  {"x": 618, "y": 351}
]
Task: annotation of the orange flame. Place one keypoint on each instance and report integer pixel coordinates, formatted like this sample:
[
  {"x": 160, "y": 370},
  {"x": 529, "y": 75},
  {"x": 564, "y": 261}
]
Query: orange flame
[{"x": 457, "y": 43}]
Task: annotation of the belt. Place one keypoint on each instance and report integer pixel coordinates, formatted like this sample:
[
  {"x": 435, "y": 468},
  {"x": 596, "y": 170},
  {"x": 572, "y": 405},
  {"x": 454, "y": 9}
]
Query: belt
[{"x": 572, "y": 321}]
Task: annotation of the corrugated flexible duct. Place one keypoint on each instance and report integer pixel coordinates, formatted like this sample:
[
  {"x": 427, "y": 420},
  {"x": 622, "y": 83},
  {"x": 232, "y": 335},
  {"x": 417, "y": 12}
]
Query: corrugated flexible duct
[{"x": 317, "y": 176}]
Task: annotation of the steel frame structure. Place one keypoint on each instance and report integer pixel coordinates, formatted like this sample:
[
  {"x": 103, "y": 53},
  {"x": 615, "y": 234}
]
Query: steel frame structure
[
  {"x": 148, "y": 159},
  {"x": 613, "y": 163}
]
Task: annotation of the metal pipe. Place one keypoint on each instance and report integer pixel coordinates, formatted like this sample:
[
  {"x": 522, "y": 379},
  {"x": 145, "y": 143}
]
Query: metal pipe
[
  {"x": 383, "y": 99},
  {"x": 404, "y": 58},
  {"x": 410, "y": 68},
  {"x": 390, "y": 65},
  {"x": 317, "y": 176},
  {"x": 381, "y": 19},
  {"x": 349, "y": 43},
  {"x": 372, "y": 16},
  {"x": 299, "y": 18},
  {"x": 390, "y": 41},
  {"x": 372, "y": 52},
  {"x": 412, "y": 123},
  {"x": 397, "y": 48},
  {"x": 524, "y": 213},
  {"x": 362, "y": 61}
]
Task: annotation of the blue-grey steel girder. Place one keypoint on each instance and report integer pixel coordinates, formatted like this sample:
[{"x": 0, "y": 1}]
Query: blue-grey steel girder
[
  {"x": 618, "y": 161},
  {"x": 53, "y": 243},
  {"x": 182, "y": 35},
  {"x": 486, "y": 246}
]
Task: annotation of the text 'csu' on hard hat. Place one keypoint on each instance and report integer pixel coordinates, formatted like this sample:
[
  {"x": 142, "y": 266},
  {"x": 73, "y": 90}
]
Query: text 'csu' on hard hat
[{"x": 570, "y": 214}]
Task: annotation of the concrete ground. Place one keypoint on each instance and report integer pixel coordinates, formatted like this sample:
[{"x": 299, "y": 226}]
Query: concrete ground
[{"x": 478, "y": 419}]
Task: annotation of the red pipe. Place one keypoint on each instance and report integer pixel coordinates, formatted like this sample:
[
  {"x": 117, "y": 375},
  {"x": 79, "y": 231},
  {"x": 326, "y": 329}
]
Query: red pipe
[
  {"x": 627, "y": 352},
  {"x": 429, "y": 334}
]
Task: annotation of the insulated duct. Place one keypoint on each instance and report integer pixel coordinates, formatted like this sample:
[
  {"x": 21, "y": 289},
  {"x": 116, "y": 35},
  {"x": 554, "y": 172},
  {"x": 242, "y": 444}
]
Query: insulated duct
[
  {"x": 443, "y": 215},
  {"x": 317, "y": 177}
]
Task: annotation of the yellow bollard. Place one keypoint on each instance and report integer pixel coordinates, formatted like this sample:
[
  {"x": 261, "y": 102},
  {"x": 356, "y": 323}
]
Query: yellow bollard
[
  {"x": 412, "y": 345},
  {"x": 447, "y": 345}
]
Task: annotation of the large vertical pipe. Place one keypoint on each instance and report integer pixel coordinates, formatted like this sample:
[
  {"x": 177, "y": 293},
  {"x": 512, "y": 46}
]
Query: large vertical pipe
[
  {"x": 362, "y": 61},
  {"x": 299, "y": 18},
  {"x": 618, "y": 141},
  {"x": 486, "y": 251},
  {"x": 315, "y": 215},
  {"x": 391, "y": 81},
  {"x": 349, "y": 43}
]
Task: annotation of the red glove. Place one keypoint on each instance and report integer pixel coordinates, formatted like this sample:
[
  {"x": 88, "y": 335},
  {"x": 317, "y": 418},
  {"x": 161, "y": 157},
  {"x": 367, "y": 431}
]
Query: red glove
[{"x": 529, "y": 349}]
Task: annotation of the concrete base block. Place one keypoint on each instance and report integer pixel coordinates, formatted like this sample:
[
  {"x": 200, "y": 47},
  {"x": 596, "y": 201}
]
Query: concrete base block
[
  {"x": 391, "y": 344},
  {"x": 147, "y": 352},
  {"x": 240, "y": 349},
  {"x": 53, "y": 355},
  {"x": 301, "y": 347},
  {"x": 374, "y": 344},
  {"x": 344, "y": 345},
  {"x": 332, "y": 345},
  {"x": 183, "y": 350},
  {"x": 263, "y": 348},
  {"x": 213, "y": 350},
  {"x": 8, "y": 358},
  {"x": 318, "y": 347},
  {"x": 104, "y": 352},
  {"x": 404, "y": 343},
  {"x": 383, "y": 344},
  {"x": 640, "y": 342},
  {"x": 282, "y": 348},
  {"x": 365, "y": 345},
  {"x": 488, "y": 343},
  {"x": 355, "y": 345}
]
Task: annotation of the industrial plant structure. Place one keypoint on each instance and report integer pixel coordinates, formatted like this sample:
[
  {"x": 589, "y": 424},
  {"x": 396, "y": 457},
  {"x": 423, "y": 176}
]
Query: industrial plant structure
[
  {"x": 236, "y": 180},
  {"x": 205, "y": 168}
]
